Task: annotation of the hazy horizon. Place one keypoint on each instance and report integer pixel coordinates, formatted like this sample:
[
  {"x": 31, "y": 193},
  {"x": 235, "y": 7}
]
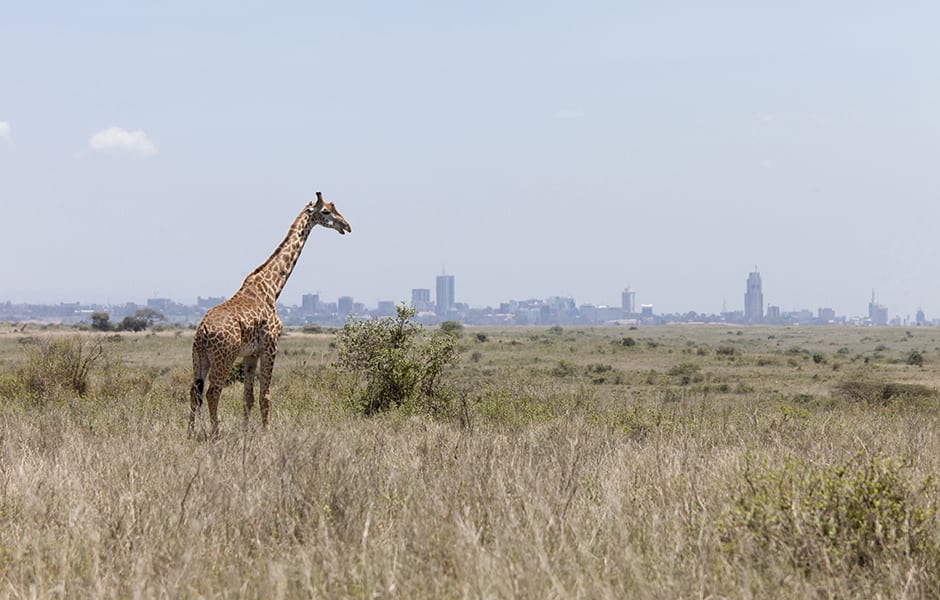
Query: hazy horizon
[{"x": 531, "y": 150}]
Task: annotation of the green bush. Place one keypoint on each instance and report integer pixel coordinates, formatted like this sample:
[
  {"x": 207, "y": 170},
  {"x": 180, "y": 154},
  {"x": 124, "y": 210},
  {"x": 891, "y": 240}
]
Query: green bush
[
  {"x": 564, "y": 369},
  {"x": 915, "y": 358},
  {"x": 454, "y": 328},
  {"x": 393, "y": 362},
  {"x": 686, "y": 373},
  {"x": 100, "y": 321},
  {"x": 854, "y": 515},
  {"x": 878, "y": 391}
]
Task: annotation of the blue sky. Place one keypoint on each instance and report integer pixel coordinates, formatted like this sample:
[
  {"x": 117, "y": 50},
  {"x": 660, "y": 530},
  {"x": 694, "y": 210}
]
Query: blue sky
[{"x": 530, "y": 148}]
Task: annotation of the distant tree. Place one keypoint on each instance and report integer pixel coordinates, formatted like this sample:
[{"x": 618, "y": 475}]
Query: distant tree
[
  {"x": 100, "y": 321},
  {"x": 149, "y": 315},
  {"x": 142, "y": 319},
  {"x": 454, "y": 328},
  {"x": 132, "y": 324}
]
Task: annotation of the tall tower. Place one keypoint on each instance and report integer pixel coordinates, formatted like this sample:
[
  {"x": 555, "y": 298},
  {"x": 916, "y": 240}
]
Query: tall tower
[
  {"x": 445, "y": 294},
  {"x": 877, "y": 314},
  {"x": 628, "y": 301},
  {"x": 754, "y": 298}
]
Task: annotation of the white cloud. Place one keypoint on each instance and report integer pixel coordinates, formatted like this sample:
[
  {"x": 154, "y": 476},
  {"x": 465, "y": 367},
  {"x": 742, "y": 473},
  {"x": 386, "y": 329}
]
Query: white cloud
[
  {"x": 120, "y": 141},
  {"x": 6, "y": 132},
  {"x": 576, "y": 113}
]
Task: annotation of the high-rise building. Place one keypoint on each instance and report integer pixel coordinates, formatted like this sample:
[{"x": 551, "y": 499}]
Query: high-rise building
[
  {"x": 754, "y": 299},
  {"x": 344, "y": 305},
  {"x": 421, "y": 299},
  {"x": 310, "y": 303},
  {"x": 445, "y": 294},
  {"x": 628, "y": 301},
  {"x": 877, "y": 314}
]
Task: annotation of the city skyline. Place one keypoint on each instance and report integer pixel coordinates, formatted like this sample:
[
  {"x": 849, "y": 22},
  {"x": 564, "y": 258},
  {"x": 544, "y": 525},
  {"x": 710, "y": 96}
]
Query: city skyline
[{"x": 446, "y": 304}]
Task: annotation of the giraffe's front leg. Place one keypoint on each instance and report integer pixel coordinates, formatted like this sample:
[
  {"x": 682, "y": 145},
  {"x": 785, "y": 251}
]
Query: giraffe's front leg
[
  {"x": 251, "y": 366},
  {"x": 265, "y": 373}
]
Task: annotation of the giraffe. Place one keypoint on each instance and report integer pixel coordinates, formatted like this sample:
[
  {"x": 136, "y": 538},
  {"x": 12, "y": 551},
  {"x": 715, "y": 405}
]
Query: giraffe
[{"x": 247, "y": 325}]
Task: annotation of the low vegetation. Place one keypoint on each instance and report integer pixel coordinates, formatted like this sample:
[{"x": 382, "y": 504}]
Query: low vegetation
[
  {"x": 529, "y": 462},
  {"x": 392, "y": 362}
]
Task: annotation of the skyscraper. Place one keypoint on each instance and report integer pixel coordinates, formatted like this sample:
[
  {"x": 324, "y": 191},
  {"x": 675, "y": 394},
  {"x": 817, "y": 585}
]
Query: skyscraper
[
  {"x": 628, "y": 301},
  {"x": 754, "y": 299},
  {"x": 310, "y": 303},
  {"x": 877, "y": 314},
  {"x": 421, "y": 299},
  {"x": 445, "y": 294}
]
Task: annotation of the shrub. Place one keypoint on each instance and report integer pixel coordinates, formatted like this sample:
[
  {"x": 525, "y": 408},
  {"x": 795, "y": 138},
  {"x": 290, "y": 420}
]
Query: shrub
[
  {"x": 686, "y": 373},
  {"x": 564, "y": 369},
  {"x": 628, "y": 342},
  {"x": 601, "y": 373},
  {"x": 453, "y": 328},
  {"x": 393, "y": 362},
  {"x": 62, "y": 364},
  {"x": 133, "y": 324},
  {"x": 878, "y": 391},
  {"x": 858, "y": 514},
  {"x": 100, "y": 321},
  {"x": 915, "y": 358}
]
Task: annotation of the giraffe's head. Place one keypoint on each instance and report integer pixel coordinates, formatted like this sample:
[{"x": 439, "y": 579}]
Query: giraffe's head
[{"x": 325, "y": 214}]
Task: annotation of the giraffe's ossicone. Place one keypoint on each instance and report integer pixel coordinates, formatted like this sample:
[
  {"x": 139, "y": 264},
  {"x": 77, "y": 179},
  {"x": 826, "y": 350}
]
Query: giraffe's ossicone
[{"x": 246, "y": 325}]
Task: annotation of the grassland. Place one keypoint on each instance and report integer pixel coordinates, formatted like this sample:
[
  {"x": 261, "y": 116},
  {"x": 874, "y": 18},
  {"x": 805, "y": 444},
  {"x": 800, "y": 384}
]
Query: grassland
[{"x": 600, "y": 463}]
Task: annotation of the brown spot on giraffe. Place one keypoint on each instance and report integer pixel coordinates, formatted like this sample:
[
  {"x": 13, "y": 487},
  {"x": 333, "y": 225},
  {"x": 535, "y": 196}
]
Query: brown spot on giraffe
[{"x": 247, "y": 325}]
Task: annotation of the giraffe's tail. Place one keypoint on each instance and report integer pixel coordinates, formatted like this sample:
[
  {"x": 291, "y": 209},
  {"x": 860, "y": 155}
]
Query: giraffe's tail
[{"x": 200, "y": 366}]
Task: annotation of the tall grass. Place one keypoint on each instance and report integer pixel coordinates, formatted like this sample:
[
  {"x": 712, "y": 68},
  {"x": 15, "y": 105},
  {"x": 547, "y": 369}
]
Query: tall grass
[{"x": 559, "y": 487}]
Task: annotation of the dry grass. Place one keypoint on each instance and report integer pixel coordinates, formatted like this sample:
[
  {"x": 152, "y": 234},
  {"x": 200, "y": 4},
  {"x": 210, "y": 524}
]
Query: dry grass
[{"x": 742, "y": 480}]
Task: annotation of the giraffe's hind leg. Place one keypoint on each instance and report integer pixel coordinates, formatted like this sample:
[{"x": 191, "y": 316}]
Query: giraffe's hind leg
[
  {"x": 251, "y": 366},
  {"x": 196, "y": 391},
  {"x": 218, "y": 375}
]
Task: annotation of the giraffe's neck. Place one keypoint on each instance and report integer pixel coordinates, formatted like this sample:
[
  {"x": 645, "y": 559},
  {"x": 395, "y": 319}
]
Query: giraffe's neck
[{"x": 267, "y": 281}]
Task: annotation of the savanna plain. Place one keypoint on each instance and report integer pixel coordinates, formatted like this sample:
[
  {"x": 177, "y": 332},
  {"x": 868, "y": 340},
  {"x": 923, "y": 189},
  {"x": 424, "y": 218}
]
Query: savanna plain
[{"x": 615, "y": 462}]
